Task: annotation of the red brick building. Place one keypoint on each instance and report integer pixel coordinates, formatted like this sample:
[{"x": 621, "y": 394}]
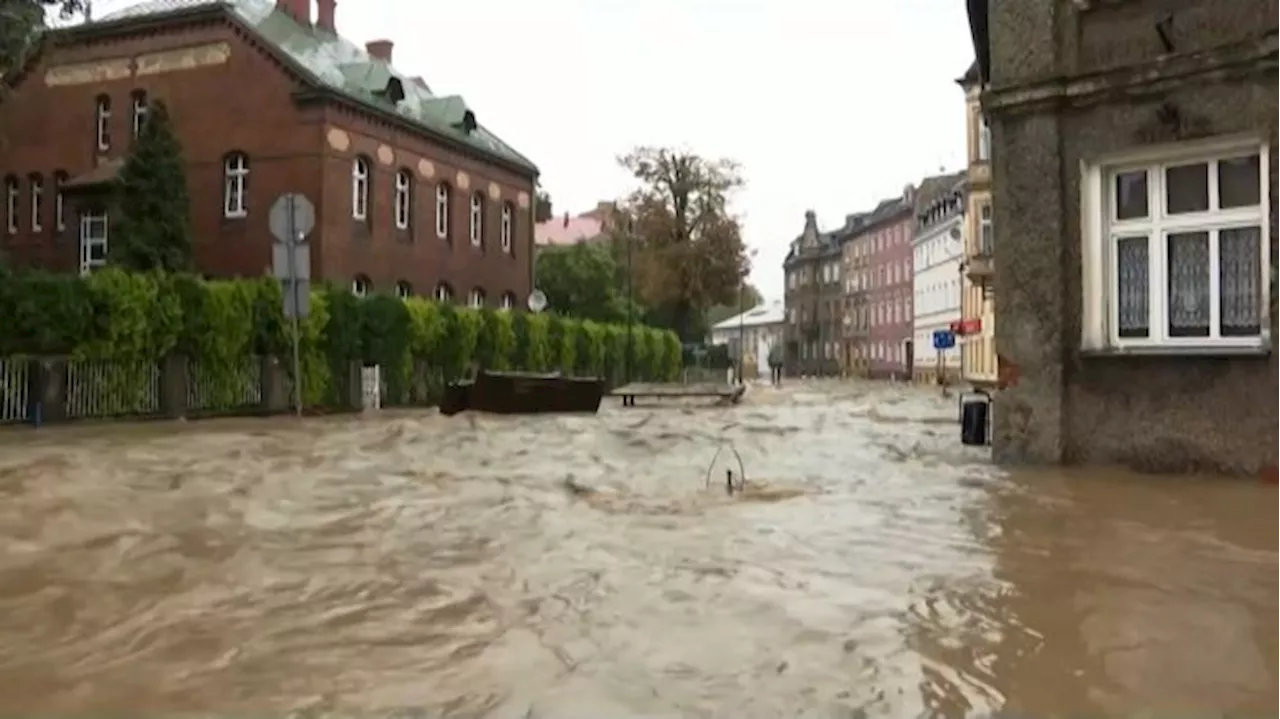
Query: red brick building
[{"x": 411, "y": 194}]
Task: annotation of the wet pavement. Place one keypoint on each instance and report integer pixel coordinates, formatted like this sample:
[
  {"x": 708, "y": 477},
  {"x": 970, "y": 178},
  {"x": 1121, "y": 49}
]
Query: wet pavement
[{"x": 413, "y": 565}]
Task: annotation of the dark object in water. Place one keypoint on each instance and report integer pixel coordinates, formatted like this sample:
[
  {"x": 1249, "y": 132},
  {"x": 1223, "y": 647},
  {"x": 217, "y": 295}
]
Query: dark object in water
[
  {"x": 523, "y": 393},
  {"x": 974, "y": 419}
]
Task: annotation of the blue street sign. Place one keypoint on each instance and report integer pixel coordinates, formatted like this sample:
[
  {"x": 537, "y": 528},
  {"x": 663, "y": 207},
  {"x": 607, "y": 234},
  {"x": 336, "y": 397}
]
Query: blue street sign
[{"x": 943, "y": 339}]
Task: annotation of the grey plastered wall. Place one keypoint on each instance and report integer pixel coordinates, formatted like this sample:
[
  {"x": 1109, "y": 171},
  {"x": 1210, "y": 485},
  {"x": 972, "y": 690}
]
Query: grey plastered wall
[{"x": 1154, "y": 413}]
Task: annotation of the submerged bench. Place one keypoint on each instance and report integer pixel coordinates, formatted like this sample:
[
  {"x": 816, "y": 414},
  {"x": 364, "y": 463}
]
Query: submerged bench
[{"x": 660, "y": 390}]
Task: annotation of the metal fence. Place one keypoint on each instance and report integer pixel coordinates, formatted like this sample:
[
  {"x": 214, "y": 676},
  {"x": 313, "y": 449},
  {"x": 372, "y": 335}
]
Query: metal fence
[
  {"x": 112, "y": 389},
  {"x": 14, "y": 386},
  {"x": 206, "y": 392}
]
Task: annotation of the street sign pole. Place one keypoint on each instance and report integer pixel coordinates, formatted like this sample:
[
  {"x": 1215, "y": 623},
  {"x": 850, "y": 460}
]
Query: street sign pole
[
  {"x": 291, "y": 219},
  {"x": 295, "y": 238}
]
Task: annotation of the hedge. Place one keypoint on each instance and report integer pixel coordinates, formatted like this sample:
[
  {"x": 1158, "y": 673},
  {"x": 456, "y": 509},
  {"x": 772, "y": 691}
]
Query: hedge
[{"x": 118, "y": 316}]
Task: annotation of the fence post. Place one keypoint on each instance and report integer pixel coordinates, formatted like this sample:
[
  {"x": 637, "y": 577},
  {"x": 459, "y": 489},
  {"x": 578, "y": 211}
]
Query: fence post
[
  {"x": 277, "y": 397},
  {"x": 46, "y": 390},
  {"x": 175, "y": 379}
]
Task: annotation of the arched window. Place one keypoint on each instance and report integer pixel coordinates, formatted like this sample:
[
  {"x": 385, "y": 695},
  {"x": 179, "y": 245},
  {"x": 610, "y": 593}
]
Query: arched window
[
  {"x": 505, "y": 228},
  {"x": 103, "y": 123},
  {"x": 444, "y": 293},
  {"x": 404, "y": 290},
  {"x": 235, "y": 185},
  {"x": 140, "y": 110},
  {"x": 360, "y": 188},
  {"x": 59, "y": 205},
  {"x": 37, "y": 203},
  {"x": 404, "y": 198},
  {"x": 11, "y": 204},
  {"x": 508, "y": 301},
  {"x": 476, "y": 299},
  {"x": 443, "y": 192},
  {"x": 361, "y": 286},
  {"x": 477, "y": 219}
]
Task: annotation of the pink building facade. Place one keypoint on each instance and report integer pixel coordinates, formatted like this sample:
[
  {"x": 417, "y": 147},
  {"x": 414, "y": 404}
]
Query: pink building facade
[{"x": 887, "y": 239}]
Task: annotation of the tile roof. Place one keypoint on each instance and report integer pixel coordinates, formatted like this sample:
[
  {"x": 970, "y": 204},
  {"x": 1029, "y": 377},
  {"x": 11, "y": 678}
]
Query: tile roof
[
  {"x": 339, "y": 64},
  {"x": 560, "y": 231}
]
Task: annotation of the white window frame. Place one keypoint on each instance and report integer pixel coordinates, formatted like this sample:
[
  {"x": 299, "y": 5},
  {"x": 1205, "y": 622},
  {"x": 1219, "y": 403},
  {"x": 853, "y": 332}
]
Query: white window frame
[
  {"x": 360, "y": 188},
  {"x": 442, "y": 210},
  {"x": 984, "y": 138},
  {"x": 444, "y": 293},
  {"x": 89, "y": 239},
  {"x": 235, "y": 176},
  {"x": 102, "y": 117},
  {"x": 140, "y": 112},
  {"x": 360, "y": 286},
  {"x": 475, "y": 298},
  {"x": 507, "y": 301},
  {"x": 11, "y": 192},
  {"x": 986, "y": 228},
  {"x": 59, "y": 203},
  {"x": 37, "y": 202},
  {"x": 404, "y": 290},
  {"x": 1100, "y": 308},
  {"x": 404, "y": 199},
  {"x": 504, "y": 232},
  {"x": 475, "y": 224}
]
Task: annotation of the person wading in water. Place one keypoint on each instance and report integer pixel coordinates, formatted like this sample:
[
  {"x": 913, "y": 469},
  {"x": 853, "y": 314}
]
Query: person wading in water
[{"x": 775, "y": 364}]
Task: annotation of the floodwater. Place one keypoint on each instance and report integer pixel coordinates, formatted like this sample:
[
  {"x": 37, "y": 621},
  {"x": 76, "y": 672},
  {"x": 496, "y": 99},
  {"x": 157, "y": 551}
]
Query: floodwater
[{"x": 410, "y": 565}]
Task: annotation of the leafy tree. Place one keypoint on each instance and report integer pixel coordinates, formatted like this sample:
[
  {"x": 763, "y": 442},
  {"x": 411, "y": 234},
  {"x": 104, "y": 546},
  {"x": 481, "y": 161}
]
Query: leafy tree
[
  {"x": 689, "y": 255},
  {"x": 542, "y": 206},
  {"x": 581, "y": 281},
  {"x": 750, "y": 298},
  {"x": 154, "y": 228},
  {"x": 21, "y": 22}
]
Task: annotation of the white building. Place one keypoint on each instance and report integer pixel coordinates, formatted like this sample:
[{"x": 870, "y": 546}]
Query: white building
[
  {"x": 761, "y": 327},
  {"x": 938, "y": 248}
]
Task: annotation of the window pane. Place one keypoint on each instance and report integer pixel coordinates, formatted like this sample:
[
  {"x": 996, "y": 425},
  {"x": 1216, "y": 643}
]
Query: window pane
[
  {"x": 1239, "y": 273},
  {"x": 1187, "y": 188},
  {"x": 1238, "y": 184},
  {"x": 1189, "y": 284},
  {"x": 1131, "y": 195},
  {"x": 1133, "y": 282}
]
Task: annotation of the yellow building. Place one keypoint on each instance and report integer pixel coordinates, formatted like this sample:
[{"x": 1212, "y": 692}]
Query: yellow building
[{"x": 977, "y": 301}]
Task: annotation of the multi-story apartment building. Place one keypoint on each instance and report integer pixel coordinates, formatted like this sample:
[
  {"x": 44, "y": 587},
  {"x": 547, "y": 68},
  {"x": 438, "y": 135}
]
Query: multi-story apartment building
[
  {"x": 411, "y": 193},
  {"x": 887, "y": 232},
  {"x": 856, "y": 252},
  {"x": 814, "y": 301},
  {"x": 977, "y": 304},
  {"x": 937, "y": 251}
]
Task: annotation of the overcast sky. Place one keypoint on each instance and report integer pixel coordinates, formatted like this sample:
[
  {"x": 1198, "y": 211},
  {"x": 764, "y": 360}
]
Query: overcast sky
[{"x": 828, "y": 105}]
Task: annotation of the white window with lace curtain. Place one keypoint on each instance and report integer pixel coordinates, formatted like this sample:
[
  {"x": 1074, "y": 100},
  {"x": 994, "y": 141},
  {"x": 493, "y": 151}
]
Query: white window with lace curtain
[{"x": 1176, "y": 248}]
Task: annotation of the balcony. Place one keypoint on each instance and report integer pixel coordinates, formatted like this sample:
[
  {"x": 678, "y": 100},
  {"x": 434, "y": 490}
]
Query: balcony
[{"x": 981, "y": 267}]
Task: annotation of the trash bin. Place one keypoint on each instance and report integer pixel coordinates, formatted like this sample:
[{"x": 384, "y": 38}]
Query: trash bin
[{"x": 973, "y": 421}]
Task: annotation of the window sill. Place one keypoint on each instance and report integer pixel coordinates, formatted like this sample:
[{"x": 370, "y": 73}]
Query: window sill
[{"x": 1261, "y": 349}]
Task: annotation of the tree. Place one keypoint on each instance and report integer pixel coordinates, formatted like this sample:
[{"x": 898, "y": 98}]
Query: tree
[
  {"x": 750, "y": 298},
  {"x": 689, "y": 252},
  {"x": 154, "y": 226},
  {"x": 21, "y": 22},
  {"x": 542, "y": 206},
  {"x": 581, "y": 281}
]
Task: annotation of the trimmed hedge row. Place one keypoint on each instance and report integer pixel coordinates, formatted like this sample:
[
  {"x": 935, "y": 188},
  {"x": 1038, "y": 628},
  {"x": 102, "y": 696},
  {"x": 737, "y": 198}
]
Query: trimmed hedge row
[{"x": 420, "y": 344}]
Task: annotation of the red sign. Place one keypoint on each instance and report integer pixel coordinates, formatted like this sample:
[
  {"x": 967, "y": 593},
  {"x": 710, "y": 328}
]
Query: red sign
[{"x": 971, "y": 326}]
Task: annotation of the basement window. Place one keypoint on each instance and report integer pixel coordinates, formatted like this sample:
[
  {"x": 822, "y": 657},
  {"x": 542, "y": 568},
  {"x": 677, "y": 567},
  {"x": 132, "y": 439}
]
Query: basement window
[{"x": 1175, "y": 248}]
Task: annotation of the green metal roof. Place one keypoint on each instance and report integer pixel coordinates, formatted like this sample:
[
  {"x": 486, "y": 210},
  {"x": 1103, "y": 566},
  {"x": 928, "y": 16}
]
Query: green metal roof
[{"x": 340, "y": 65}]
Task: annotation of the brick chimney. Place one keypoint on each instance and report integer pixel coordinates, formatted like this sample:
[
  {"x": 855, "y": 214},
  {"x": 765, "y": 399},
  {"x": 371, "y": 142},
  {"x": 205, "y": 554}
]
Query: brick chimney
[
  {"x": 299, "y": 10},
  {"x": 324, "y": 15},
  {"x": 379, "y": 49}
]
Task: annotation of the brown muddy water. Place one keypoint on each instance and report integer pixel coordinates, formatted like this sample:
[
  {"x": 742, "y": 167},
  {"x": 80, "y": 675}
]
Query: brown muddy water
[{"x": 411, "y": 565}]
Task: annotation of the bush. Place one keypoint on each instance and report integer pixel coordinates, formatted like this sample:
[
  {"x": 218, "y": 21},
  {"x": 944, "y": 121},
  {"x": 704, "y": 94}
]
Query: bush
[{"x": 419, "y": 344}]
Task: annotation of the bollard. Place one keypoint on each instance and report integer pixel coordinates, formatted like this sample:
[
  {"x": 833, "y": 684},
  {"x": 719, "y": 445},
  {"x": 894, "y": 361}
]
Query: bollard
[{"x": 973, "y": 421}]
